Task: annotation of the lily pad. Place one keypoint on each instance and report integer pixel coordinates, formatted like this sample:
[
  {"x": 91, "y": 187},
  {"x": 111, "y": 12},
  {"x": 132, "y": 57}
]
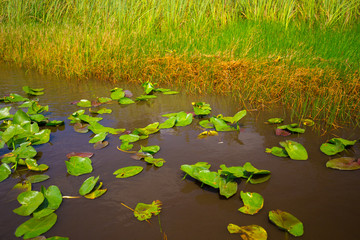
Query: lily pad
[
  {"x": 295, "y": 150},
  {"x": 97, "y": 128},
  {"x": 100, "y": 144},
  {"x": 117, "y": 93},
  {"x": 149, "y": 129},
  {"x": 335, "y": 145},
  {"x": 145, "y": 97},
  {"x": 32, "y": 165},
  {"x": 52, "y": 201},
  {"x": 13, "y": 97},
  {"x": 57, "y": 238},
  {"x": 33, "y": 91},
  {"x": 227, "y": 188},
  {"x": 126, "y": 101},
  {"x": 276, "y": 151},
  {"x": 37, "y": 178},
  {"x": 194, "y": 170},
  {"x": 88, "y": 185},
  {"x": 5, "y": 172},
  {"x": 55, "y": 123},
  {"x": 183, "y": 119},
  {"x": 308, "y": 122},
  {"x": 96, "y": 193},
  {"x": 30, "y": 201},
  {"x": 170, "y": 92},
  {"x": 287, "y": 221},
  {"x": 157, "y": 162},
  {"x": 150, "y": 149},
  {"x": 148, "y": 87},
  {"x": 80, "y": 154},
  {"x": 35, "y": 227},
  {"x": 128, "y": 171},
  {"x": 220, "y": 125},
  {"x": 77, "y": 166},
  {"x": 236, "y": 172},
  {"x": 169, "y": 123},
  {"x": 275, "y": 120},
  {"x": 201, "y": 108},
  {"x": 292, "y": 128},
  {"x": 207, "y": 134},
  {"x": 98, "y": 137},
  {"x": 129, "y": 138},
  {"x": 251, "y": 232},
  {"x": 126, "y": 146},
  {"x": 145, "y": 211},
  {"x": 84, "y": 103},
  {"x": 344, "y": 163},
  {"x": 206, "y": 124},
  {"x": 5, "y": 113},
  {"x": 104, "y": 99},
  {"x": 253, "y": 202}
]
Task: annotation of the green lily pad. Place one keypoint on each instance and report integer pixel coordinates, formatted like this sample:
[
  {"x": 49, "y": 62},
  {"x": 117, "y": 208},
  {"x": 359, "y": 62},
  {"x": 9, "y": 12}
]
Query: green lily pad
[
  {"x": 36, "y": 108},
  {"x": 117, "y": 93},
  {"x": 89, "y": 119},
  {"x": 149, "y": 129},
  {"x": 84, "y": 103},
  {"x": 335, "y": 145},
  {"x": 209, "y": 178},
  {"x": 169, "y": 123},
  {"x": 220, "y": 125},
  {"x": 276, "y": 151},
  {"x": 13, "y": 97},
  {"x": 206, "y": 124},
  {"x": 256, "y": 179},
  {"x": 201, "y": 108},
  {"x": 344, "y": 163},
  {"x": 30, "y": 201},
  {"x": 37, "y": 178},
  {"x": 251, "y": 232},
  {"x": 126, "y": 101},
  {"x": 33, "y": 91},
  {"x": 236, "y": 172},
  {"x": 287, "y": 221},
  {"x": 126, "y": 146},
  {"x": 183, "y": 119},
  {"x": 150, "y": 149},
  {"x": 96, "y": 193},
  {"x": 5, "y": 113},
  {"x": 194, "y": 170},
  {"x": 5, "y": 172},
  {"x": 227, "y": 188},
  {"x": 78, "y": 165},
  {"x": 145, "y": 97},
  {"x": 104, "y": 99},
  {"x": 157, "y": 162},
  {"x": 170, "y": 92},
  {"x": 97, "y": 128},
  {"x": 100, "y": 111},
  {"x": 57, "y": 238},
  {"x": 253, "y": 202},
  {"x": 20, "y": 117},
  {"x": 148, "y": 87},
  {"x": 129, "y": 138},
  {"x": 52, "y": 201},
  {"x": 55, "y": 123},
  {"x": 162, "y": 90},
  {"x": 251, "y": 171},
  {"x": 98, "y": 137},
  {"x": 88, "y": 185},
  {"x": 35, "y": 227},
  {"x": 238, "y": 116},
  {"x": 345, "y": 142},
  {"x": 275, "y": 120},
  {"x": 145, "y": 211},
  {"x": 308, "y": 122},
  {"x": 41, "y": 137},
  {"x": 32, "y": 165},
  {"x": 295, "y": 150},
  {"x": 128, "y": 171},
  {"x": 292, "y": 128}
]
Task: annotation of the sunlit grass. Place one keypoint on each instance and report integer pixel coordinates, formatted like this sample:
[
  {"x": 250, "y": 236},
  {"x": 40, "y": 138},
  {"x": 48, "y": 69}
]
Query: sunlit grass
[{"x": 304, "y": 54}]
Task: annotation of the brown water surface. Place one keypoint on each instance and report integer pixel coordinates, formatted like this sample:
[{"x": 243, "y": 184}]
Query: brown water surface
[{"x": 325, "y": 200}]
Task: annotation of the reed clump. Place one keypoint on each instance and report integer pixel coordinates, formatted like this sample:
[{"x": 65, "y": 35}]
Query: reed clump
[{"x": 300, "y": 53}]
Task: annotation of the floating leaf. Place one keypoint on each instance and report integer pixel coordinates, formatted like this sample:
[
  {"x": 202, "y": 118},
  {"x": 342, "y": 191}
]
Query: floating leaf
[
  {"x": 54, "y": 123},
  {"x": 30, "y": 201},
  {"x": 52, "y": 201},
  {"x": 250, "y": 171},
  {"x": 287, "y": 221},
  {"x": 89, "y": 119},
  {"x": 37, "y": 178},
  {"x": 259, "y": 179},
  {"x": 97, "y": 128},
  {"x": 126, "y": 101},
  {"x": 5, "y": 113},
  {"x": 344, "y": 163},
  {"x": 32, "y": 165},
  {"x": 236, "y": 172},
  {"x": 96, "y": 193},
  {"x": 34, "y": 227},
  {"x": 210, "y": 178},
  {"x": 148, "y": 87},
  {"x": 201, "y": 108},
  {"x": 157, "y": 162},
  {"x": 295, "y": 150},
  {"x": 58, "y": 238},
  {"x": 220, "y": 125},
  {"x": 5, "y": 172},
  {"x": 206, "y": 124},
  {"x": 292, "y": 128},
  {"x": 227, "y": 188},
  {"x": 100, "y": 145},
  {"x": 41, "y": 137},
  {"x": 150, "y": 149},
  {"x": 23, "y": 186},
  {"x": 207, "y": 134},
  {"x": 169, "y": 123},
  {"x": 145, "y": 97},
  {"x": 104, "y": 99},
  {"x": 281, "y": 132},
  {"x": 275, "y": 120},
  {"x": 88, "y": 185},
  {"x": 145, "y": 211},
  {"x": 163, "y": 90},
  {"x": 345, "y": 142},
  {"x": 279, "y": 152},
  {"x": 80, "y": 154},
  {"x": 129, "y": 138},
  {"x": 253, "y": 202},
  {"x": 117, "y": 93},
  {"x": 84, "y": 103},
  {"x": 183, "y": 119},
  {"x": 308, "y": 122},
  {"x": 238, "y": 116},
  {"x": 126, "y": 146},
  {"x": 193, "y": 170},
  {"x": 128, "y": 171},
  {"x": 98, "y": 137},
  {"x": 149, "y": 129},
  {"x": 13, "y": 97},
  {"x": 78, "y": 165},
  {"x": 33, "y": 91},
  {"x": 251, "y": 232},
  {"x": 332, "y": 148},
  {"x": 81, "y": 128},
  {"x": 170, "y": 92},
  {"x": 20, "y": 117}
]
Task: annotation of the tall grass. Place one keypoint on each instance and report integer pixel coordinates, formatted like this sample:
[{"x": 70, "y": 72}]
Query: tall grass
[{"x": 303, "y": 53}]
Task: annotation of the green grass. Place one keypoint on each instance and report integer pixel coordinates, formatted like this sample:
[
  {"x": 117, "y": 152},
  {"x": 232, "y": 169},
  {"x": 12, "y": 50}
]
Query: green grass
[{"x": 301, "y": 53}]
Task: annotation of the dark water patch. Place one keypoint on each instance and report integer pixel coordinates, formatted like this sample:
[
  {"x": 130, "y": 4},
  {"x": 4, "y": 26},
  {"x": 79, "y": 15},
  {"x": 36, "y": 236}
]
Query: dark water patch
[{"x": 323, "y": 199}]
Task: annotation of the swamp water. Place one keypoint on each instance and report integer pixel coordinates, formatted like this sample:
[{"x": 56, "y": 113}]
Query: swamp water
[{"x": 325, "y": 200}]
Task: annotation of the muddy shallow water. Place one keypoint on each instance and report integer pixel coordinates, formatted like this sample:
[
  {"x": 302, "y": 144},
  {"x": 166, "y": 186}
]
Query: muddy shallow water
[{"x": 325, "y": 200}]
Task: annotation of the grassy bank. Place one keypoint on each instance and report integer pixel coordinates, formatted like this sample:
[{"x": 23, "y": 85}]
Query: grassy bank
[{"x": 301, "y": 53}]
